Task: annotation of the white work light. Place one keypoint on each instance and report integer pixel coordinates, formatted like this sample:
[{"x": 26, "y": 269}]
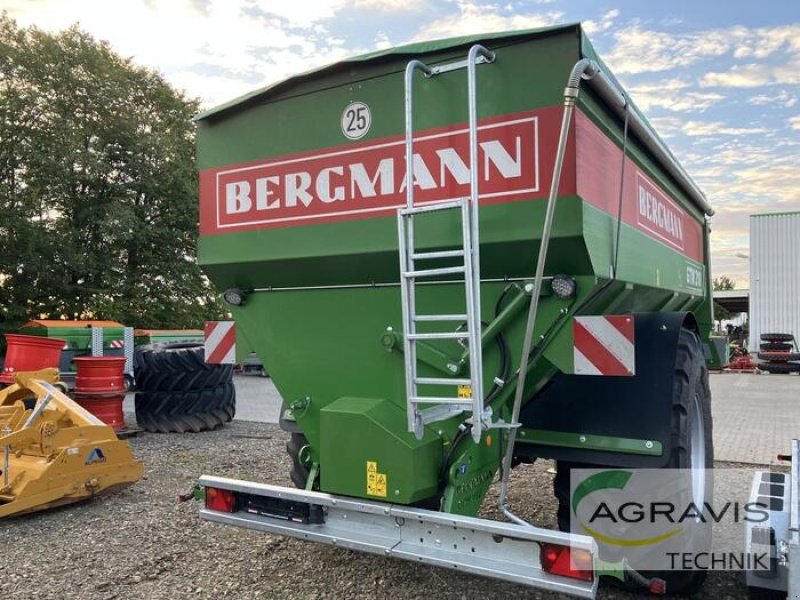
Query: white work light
[{"x": 563, "y": 286}]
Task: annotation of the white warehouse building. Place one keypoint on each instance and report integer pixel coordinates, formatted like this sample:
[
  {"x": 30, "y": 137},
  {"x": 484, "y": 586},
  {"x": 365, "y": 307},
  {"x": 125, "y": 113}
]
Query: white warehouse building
[{"x": 774, "y": 275}]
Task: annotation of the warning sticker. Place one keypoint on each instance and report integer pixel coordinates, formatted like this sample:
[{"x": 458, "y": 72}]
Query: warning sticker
[
  {"x": 376, "y": 482},
  {"x": 465, "y": 391}
]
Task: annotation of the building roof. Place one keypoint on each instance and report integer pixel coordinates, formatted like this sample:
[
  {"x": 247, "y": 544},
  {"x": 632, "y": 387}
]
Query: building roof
[
  {"x": 736, "y": 301},
  {"x": 775, "y": 213}
]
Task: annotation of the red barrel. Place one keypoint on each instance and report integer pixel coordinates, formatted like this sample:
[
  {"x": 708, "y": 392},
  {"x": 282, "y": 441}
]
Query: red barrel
[
  {"x": 100, "y": 387},
  {"x": 30, "y": 353}
]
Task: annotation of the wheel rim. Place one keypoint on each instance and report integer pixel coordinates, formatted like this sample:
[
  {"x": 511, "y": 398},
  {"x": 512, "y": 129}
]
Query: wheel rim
[{"x": 697, "y": 455}]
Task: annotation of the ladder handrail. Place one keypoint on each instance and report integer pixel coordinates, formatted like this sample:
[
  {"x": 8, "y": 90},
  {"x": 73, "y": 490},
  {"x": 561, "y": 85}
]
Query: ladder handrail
[
  {"x": 412, "y": 66},
  {"x": 474, "y": 296},
  {"x": 406, "y": 240},
  {"x": 469, "y": 213}
]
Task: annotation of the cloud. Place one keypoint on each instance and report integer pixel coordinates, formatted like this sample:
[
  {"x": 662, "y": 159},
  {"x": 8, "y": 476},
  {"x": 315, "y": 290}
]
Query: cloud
[
  {"x": 767, "y": 41},
  {"x": 388, "y": 5},
  {"x": 215, "y": 48},
  {"x": 473, "y": 17},
  {"x": 214, "y": 89},
  {"x": 794, "y": 123},
  {"x": 382, "y": 40},
  {"x": 605, "y": 23},
  {"x": 672, "y": 95},
  {"x": 179, "y": 33},
  {"x": 639, "y": 50},
  {"x": 666, "y": 126},
  {"x": 718, "y": 128},
  {"x": 782, "y": 98},
  {"x": 754, "y": 75}
]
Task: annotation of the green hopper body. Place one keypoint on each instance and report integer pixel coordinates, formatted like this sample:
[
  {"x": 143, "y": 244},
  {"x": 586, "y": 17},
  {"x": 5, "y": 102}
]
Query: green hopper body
[{"x": 303, "y": 219}]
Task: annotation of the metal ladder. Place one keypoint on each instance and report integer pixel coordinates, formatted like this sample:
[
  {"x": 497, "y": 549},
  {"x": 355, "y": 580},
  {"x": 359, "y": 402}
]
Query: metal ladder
[{"x": 429, "y": 409}]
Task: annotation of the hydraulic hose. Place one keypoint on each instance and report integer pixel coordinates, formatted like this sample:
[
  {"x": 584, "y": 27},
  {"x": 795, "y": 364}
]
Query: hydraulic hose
[{"x": 583, "y": 69}]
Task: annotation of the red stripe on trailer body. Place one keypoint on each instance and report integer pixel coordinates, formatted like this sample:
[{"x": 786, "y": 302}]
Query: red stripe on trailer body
[{"x": 604, "y": 345}]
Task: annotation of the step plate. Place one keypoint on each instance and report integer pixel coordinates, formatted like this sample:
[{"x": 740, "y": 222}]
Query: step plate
[{"x": 478, "y": 546}]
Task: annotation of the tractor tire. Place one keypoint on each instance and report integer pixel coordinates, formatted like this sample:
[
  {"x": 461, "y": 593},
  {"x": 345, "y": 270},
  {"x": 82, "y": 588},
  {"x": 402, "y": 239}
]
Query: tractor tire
[
  {"x": 187, "y": 411},
  {"x": 776, "y": 347},
  {"x": 780, "y": 367},
  {"x": 779, "y": 356},
  {"x": 299, "y": 470},
  {"x": 757, "y": 593},
  {"x": 777, "y": 337},
  {"x": 691, "y": 421},
  {"x": 177, "y": 367}
]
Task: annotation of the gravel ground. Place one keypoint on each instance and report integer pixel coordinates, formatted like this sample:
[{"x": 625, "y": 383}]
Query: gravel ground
[{"x": 141, "y": 544}]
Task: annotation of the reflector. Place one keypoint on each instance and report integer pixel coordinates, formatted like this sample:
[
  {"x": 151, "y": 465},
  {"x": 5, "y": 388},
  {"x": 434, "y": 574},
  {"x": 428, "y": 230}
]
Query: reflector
[
  {"x": 221, "y": 500},
  {"x": 566, "y": 561}
]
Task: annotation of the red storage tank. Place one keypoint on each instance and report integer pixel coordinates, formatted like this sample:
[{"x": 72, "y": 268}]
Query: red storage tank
[
  {"x": 100, "y": 387},
  {"x": 30, "y": 353}
]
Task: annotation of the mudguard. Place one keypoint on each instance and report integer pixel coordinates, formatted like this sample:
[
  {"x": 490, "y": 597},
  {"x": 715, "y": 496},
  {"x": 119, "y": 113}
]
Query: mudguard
[{"x": 631, "y": 414}]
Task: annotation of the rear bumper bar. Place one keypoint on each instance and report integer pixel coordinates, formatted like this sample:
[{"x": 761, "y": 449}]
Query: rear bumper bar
[{"x": 479, "y": 546}]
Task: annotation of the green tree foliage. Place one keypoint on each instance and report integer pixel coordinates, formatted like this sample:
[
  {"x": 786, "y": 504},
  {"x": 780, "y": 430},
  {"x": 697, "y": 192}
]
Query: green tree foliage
[
  {"x": 723, "y": 282},
  {"x": 98, "y": 189}
]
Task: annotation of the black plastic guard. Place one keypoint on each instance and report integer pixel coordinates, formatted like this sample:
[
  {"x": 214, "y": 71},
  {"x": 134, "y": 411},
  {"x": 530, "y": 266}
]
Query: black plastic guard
[{"x": 635, "y": 407}]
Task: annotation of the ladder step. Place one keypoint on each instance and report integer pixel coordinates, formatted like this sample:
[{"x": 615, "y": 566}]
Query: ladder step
[
  {"x": 431, "y": 207},
  {"x": 465, "y": 403},
  {"x": 440, "y": 254},
  {"x": 442, "y": 381},
  {"x": 454, "y": 335},
  {"x": 421, "y": 318},
  {"x": 434, "y": 272}
]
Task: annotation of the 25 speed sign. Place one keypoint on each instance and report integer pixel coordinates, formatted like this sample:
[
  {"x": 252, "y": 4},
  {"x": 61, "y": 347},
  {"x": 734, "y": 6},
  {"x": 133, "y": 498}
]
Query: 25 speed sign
[{"x": 356, "y": 120}]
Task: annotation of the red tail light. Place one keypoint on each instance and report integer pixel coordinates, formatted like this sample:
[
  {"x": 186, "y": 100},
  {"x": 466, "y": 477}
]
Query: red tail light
[
  {"x": 221, "y": 500},
  {"x": 567, "y": 562}
]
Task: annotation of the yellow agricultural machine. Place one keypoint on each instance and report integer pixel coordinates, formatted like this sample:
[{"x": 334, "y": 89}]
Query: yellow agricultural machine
[{"x": 53, "y": 451}]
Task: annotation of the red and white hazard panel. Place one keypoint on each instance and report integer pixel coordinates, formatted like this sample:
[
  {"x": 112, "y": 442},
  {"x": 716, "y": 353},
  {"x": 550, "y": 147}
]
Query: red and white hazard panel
[
  {"x": 117, "y": 344},
  {"x": 604, "y": 345},
  {"x": 220, "y": 342}
]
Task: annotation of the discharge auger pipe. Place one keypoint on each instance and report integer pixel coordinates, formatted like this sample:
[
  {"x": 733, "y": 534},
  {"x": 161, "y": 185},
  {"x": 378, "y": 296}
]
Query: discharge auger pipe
[
  {"x": 607, "y": 90},
  {"x": 583, "y": 69}
]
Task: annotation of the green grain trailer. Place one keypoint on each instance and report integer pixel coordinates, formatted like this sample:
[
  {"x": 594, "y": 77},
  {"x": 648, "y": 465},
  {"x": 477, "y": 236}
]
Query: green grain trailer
[
  {"x": 540, "y": 291},
  {"x": 167, "y": 336},
  {"x": 82, "y": 338}
]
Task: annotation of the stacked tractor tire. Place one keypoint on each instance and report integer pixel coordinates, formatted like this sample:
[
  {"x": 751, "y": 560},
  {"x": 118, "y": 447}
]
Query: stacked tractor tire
[
  {"x": 779, "y": 353},
  {"x": 176, "y": 391}
]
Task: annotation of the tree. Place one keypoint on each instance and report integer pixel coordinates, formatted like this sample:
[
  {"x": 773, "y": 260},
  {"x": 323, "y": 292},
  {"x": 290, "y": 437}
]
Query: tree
[
  {"x": 723, "y": 282},
  {"x": 98, "y": 189}
]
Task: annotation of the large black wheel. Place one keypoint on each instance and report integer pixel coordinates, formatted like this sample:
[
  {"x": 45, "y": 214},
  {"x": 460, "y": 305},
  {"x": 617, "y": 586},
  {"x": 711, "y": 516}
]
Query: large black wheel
[
  {"x": 779, "y": 356},
  {"x": 189, "y": 411},
  {"x": 776, "y": 347},
  {"x": 757, "y": 593},
  {"x": 176, "y": 391},
  {"x": 177, "y": 367},
  {"x": 297, "y": 449},
  {"x": 777, "y": 337},
  {"x": 692, "y": 450},
  {"x": 780, "y": 367}
]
